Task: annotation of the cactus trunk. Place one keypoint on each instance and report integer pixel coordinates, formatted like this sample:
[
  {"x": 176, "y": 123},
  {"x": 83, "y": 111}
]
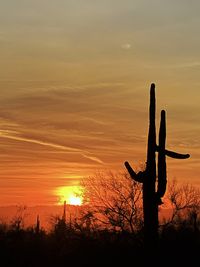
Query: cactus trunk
[{"x": 150, "y": 208}]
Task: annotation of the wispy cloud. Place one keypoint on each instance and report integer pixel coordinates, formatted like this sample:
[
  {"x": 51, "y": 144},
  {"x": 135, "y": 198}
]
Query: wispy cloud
[
  {"x": 10, "y": 135},
  {"x": 93, "y": 158},
  {"x": 192, "y": 64}
]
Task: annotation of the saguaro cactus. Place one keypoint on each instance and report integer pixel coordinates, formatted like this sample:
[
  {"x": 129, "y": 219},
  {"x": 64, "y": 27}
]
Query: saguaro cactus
[
  {"x": 152, "y": 191},
  {"x": 37, "y": 227},
  {"x": 64, "y": 212}
]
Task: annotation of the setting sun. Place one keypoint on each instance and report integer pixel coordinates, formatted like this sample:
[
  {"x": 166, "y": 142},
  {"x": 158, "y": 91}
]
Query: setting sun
[
  {"x": 71, "y": 194},
  {"x": 75, "y": 200}
]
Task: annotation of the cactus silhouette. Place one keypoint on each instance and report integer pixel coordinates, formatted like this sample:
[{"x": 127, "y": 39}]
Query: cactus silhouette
[
  {"x": 37, "y": 227},
  {"x": 64, "y": 212},
  {"x": 153, "y": 190}
]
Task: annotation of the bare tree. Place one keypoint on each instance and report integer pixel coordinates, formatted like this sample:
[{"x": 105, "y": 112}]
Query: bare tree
[
  {"x": 17, "y": 222},
  {"x": 114, "y": 201},
  {"x": 184, "y": 203}
]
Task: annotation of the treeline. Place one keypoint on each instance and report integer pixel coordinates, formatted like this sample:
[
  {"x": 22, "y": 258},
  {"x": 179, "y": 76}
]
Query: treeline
[
  {"x": 108, "y": 231},
  {"x": 73, "y": 245}
]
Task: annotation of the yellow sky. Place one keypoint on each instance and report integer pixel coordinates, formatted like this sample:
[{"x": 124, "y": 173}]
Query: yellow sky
[{"x": 74, "y": 89}]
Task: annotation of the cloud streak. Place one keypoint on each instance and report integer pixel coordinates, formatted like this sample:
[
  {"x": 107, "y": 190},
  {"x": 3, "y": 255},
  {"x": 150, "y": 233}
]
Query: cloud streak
[{"x": 85, "y": 154}]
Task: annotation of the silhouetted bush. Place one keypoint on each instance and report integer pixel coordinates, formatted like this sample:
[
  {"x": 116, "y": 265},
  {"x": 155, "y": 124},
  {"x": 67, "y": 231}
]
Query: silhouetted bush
[{"x": 27, "y": 248}]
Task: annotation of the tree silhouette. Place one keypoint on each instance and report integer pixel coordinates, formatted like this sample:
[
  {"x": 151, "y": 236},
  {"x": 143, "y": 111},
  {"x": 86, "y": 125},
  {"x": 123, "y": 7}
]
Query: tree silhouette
[
  {"x": 113, "y": 201},
  {"x": 184, "y": 203}
]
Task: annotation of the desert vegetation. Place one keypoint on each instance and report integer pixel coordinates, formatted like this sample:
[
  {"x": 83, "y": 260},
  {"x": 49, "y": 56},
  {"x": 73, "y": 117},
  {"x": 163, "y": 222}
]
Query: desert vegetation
[{"x": 108, "y": 230}]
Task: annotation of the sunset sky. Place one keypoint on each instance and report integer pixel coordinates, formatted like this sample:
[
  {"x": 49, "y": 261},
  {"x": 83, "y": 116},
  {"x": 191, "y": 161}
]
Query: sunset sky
[{"x": 74, "y": 90}]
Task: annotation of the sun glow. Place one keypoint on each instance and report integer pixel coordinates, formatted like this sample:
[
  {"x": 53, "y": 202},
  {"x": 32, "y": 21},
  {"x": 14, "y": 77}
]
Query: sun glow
[
  {"x": 75, "y": 200},
  {"x": 73, "y": 195}
]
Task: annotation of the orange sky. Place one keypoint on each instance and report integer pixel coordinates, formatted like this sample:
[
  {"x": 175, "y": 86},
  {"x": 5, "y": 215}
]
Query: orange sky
[{"x": 74, "y": 90}]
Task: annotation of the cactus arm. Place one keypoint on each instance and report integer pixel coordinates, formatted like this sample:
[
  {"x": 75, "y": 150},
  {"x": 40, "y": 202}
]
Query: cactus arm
[
  {"x": 162, "y": 173},
  {"x": 176, "y": 155},
  {"x": 173, "y": 154},
  {"x": 138, "y": 177}
]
